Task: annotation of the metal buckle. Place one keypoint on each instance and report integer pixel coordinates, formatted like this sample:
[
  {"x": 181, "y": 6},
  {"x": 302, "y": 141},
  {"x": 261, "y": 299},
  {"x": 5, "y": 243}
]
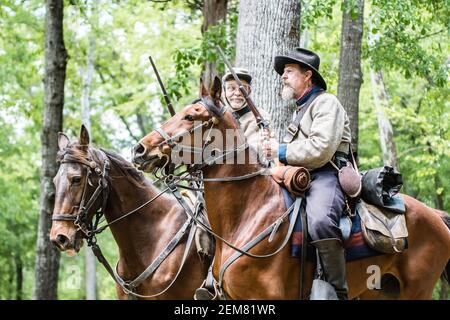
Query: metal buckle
[
  {"x": 292, "y": 129},
  {"x": 170, "y": 183}
]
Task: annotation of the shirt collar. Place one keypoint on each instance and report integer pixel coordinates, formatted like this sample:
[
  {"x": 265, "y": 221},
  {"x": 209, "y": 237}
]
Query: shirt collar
[
  {"x": 239, "y": 113},
  {"x": 307, "y": 95}
]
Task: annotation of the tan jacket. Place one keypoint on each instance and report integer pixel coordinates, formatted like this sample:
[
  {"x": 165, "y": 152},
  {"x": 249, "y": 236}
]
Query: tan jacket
[
  {"x": 324, "y": 129},
  {"x": 252, "y": 131}
]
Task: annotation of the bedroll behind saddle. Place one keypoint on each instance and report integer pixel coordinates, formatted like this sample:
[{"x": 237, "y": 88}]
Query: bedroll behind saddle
[{"x": 380, "y": 187}]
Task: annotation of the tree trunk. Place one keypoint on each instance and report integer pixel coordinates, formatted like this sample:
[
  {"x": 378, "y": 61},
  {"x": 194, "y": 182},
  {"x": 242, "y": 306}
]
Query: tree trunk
[
  {"x": 19, "y": 276},
  {"x": 47, "y": 256},
  {"x": 304, "y": 39},
  {"x": 87, "y": 84},
  {"x": 90, "y": 260},
  {"x": 381, "y": 101},
  {"x": 386, "y": 133},
  {"x": 213, "y": 12},
  {"x": 350, "y": 75},
  {"x": 141, "y": 120},
  {"x": 266, "y": 29},
  {"x": 9, "y": 285}
]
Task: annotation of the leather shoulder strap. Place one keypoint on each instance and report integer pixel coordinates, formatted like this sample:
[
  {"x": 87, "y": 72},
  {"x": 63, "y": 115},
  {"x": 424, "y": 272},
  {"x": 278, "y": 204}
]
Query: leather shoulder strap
[{"x": 293, "y": 128}]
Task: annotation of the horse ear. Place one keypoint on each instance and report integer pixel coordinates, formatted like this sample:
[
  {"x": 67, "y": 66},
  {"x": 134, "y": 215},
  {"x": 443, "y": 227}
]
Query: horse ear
[
  {"x": 216, "y": 90},
  {"x": 203, "y": 91},
  {"x": 84, "y": 136},
  {"x": 63, "y": 141}
]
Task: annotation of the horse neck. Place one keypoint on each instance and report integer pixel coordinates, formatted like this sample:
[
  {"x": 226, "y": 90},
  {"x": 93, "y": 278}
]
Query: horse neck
[
  {"x": 237, "y": 198},
  {"x": 142, "y": 235},
  {"x": 242, "y": 162}
]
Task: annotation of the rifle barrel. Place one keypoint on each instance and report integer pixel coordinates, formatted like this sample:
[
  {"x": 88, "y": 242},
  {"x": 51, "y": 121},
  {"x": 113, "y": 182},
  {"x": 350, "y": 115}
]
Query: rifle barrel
[{"x": 163, "y": 89}]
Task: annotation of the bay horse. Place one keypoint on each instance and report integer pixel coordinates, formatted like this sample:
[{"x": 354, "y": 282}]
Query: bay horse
[
  {"x": 140, "y": 236},
  {"x": 238, "y": 210}
]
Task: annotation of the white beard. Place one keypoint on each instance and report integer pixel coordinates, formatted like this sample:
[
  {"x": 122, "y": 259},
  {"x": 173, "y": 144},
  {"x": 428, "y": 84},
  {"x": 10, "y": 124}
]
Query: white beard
[
  {"x": 287, "y": 93},
  {"x": 237, "y": 105}
]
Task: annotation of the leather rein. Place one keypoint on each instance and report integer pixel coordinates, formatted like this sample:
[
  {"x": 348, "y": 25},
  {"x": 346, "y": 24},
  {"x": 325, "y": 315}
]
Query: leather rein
[
  {"x": 171, "y": 181},
  {"x": 90, "y": 230},
  {"x": 172, "y": 141}
]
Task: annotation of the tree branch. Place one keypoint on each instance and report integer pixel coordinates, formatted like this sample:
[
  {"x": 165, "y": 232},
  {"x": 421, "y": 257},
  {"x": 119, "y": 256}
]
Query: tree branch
[
  {"x": 414, "y": 149},
  {"x": 128, "y": 127},
  {"x": 430, "y": 35},
  {"x": 159, "y": 1}
]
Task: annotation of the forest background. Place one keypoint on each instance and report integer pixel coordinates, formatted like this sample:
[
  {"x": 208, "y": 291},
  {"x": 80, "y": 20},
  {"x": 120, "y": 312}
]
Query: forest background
[{"x": 386, "y": 60}]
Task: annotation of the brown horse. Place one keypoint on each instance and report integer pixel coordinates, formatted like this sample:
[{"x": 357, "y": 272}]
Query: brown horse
[
  {"x": 239, "y": 210},
  {"x": 140, "y": 236}
]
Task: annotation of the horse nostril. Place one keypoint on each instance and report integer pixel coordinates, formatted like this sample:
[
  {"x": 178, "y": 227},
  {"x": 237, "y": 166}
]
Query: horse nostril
[
  {"x": 62, "y": 241},
  {"x": 139, "y": 150}
]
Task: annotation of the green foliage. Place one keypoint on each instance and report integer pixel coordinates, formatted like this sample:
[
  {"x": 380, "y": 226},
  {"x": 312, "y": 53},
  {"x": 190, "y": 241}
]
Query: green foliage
[
  {"x": 21, "y": 96},
  {"x": 411, "y": 48},
  {"x": 123, "y": 85},
  {"x": 410, "y": 37},
  {"x": 19, "y": 195},
  {"x": 314, "y": 10},
  {"x": 72, "y": 272},
  {"x": 418, "y": 106},
  {"x": 21, "y": 51},
  {"x": 437, "y": 291},
  {"x": 420, "y": 115},
  {"x": 325, "y": 40},
  {"x": 189, "y": 61}
]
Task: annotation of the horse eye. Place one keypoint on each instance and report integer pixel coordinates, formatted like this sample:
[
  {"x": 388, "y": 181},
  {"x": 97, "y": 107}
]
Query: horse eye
[
  {"x": 76, "y": 180},
  {"x": 189, "y": 118}
]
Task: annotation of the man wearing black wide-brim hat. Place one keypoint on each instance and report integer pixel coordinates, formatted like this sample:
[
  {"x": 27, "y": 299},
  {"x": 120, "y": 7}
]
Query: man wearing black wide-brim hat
[{"x": 319, "y": 134}]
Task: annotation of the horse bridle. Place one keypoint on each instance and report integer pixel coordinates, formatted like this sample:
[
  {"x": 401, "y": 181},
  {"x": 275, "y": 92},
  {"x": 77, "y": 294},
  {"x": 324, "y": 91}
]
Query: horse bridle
[
  {"x": 215, "y": 113},
  {"x": 172, "y": 141},
  {"x": 80, "y": 217},
  {"x": 172, "y": 180},
  {"x": 90, "y": 230}
]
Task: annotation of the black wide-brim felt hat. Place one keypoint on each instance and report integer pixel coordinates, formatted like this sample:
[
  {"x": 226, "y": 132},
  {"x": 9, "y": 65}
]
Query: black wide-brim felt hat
[{"x": 304, "y": 58}]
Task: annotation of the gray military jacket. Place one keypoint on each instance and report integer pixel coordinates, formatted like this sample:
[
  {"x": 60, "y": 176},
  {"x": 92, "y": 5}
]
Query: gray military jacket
[
  {"x": 251, "y": 130},
  {"x": 324, "y": 129}
]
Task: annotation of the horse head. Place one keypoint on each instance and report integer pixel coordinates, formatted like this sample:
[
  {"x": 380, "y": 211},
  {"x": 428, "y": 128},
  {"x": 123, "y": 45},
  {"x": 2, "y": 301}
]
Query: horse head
[
  {"x": 80, "y": 185},
  {"x": 199, "y": 126}
]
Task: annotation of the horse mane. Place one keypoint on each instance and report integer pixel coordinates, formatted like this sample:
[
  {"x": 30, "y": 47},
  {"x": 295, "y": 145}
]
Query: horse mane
[{"x": 125, "y": 167}]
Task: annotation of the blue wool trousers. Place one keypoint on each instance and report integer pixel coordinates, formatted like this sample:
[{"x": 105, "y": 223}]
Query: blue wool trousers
[{"x": 325, "y": 202}]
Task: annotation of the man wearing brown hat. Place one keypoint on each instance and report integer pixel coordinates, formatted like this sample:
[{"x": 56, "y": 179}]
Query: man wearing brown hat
[{"x": 319, "y": 134}]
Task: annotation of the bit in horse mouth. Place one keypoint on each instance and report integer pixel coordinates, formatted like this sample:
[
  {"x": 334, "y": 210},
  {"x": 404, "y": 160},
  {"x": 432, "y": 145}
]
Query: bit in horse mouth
[{"x": 145, "y": 165}]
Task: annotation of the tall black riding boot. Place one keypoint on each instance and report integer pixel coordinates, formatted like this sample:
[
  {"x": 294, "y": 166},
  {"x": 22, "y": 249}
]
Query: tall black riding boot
[{"x": 332, "y": 258}]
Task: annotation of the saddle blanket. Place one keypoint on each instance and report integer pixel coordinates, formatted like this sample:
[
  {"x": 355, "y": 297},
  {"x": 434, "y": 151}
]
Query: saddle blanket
[{"x": 355, "y": 248}]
